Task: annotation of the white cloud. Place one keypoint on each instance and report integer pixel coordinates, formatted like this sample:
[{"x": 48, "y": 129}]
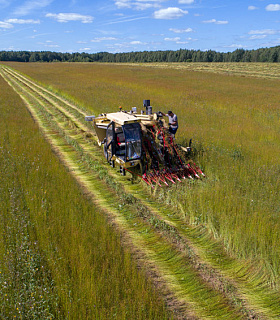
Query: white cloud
[
  {"x": 209, "y": 21},
  {"x": 235, "y": 46},
  {"x": 137, "y": 4},
  {"x": 66, "y": 17},
  {"x": 186, "y": 1},
  {"x": 48, "y": 44},
  {"x": 144, "y": 6},
  {"x": 30, "y": 6},
  {"x": 135, "y": 42},
  {"x": 264, "y": 31},
  {"x": 181, "y": 30},
  {"x": 222, "y": 22},
  {"x": 23, "y": 21},
  {"x": 85, "y": 49},
  {"x": 103, "y": 39},
  {"x": 258, "y": 37},
  {"x": 169, "y": 13},
  {"x": 121, "y": 4},
  {"x": 172, "y": 39},
  {"x": 215, "y": 21},
  {"x": 5, "y": 25},
  {"x": 179, "y": 41},
  {"x": 52, "y": 46},
  {"x": 251, "y": 8},
  {"x": 273, "y": 7},
  {"x": 119, "y": 45}
]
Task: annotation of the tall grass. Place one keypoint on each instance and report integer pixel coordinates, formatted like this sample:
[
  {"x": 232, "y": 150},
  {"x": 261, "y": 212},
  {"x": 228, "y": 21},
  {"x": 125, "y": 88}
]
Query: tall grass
[
  {"x": 234, "y": 123},
  {"x": 60, "y": 258}
]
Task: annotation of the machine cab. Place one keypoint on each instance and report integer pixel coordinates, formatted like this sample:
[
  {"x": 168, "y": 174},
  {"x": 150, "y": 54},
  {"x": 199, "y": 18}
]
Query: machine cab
[{"x": 123, "y": 142}]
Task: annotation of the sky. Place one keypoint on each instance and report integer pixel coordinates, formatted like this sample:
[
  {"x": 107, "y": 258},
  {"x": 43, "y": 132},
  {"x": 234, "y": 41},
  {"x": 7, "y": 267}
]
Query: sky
[{"x": 138, "y": 25}]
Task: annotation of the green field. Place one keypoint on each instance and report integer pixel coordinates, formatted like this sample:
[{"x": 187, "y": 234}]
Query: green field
[{"x": 208, "y": 249}]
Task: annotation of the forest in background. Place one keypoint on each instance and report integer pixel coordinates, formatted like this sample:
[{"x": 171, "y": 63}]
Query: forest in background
[{"x": 183, "y": 55}]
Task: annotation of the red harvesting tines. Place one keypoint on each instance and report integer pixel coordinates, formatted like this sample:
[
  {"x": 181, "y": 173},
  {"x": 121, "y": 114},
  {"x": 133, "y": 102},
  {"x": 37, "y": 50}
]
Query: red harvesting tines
[
  {"x": 169, "y": 176},
  {"x": 161, "y": 177},
  {"x": 164, "y": 159},
  {"x": 147, "y": 179},
  {"x": 198, "y": 169}
]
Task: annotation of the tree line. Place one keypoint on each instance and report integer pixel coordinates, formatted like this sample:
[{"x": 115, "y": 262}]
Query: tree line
[{"x": 183, "y": 55}]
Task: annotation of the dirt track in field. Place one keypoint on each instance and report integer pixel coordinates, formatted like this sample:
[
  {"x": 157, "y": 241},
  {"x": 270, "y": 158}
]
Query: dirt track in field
[{"x": 162, "y": 242}]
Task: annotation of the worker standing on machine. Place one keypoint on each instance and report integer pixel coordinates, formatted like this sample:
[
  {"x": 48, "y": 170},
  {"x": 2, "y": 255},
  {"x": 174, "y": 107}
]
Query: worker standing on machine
[{"x": 172, "y": 122}]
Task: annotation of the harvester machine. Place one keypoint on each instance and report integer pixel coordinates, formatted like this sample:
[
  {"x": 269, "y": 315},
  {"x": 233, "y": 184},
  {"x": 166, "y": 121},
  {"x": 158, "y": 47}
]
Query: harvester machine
[{"x": 140, "y": 143}]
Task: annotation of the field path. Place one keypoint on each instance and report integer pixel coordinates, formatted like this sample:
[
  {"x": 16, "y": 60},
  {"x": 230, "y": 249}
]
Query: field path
[{"x": 197, "y": 277}]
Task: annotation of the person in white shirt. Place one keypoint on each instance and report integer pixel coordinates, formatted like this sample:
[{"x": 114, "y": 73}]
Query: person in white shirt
[{"x": 172, "y": 122}]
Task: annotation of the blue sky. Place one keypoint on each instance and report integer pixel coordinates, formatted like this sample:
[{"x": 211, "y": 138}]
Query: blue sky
[{"x": 138, "y": 25}]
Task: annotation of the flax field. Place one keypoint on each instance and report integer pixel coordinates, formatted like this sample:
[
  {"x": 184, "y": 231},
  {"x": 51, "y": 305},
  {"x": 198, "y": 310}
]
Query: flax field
[{"x": 78, "y": 241}]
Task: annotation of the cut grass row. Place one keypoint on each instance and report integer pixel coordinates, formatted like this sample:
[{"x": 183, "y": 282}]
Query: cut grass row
[
  {"x": 59, "y": 256},
  {"x": 193, "y": 290}
]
